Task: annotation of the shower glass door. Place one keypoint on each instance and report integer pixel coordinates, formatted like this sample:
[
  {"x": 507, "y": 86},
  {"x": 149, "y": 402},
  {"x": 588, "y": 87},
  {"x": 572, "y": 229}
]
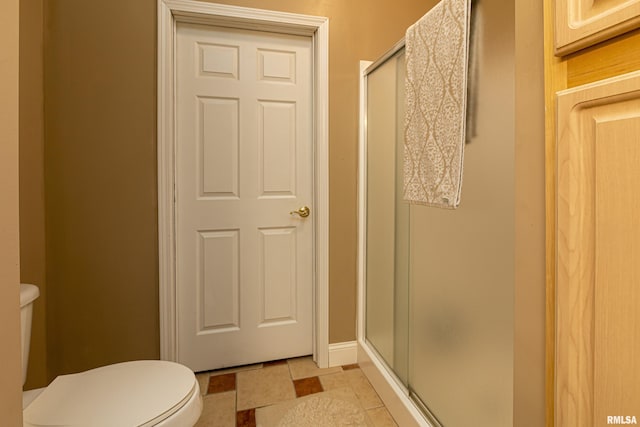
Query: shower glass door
[
  {"x": 439, "y": 285},
  {"x": 387, "y": 251}
]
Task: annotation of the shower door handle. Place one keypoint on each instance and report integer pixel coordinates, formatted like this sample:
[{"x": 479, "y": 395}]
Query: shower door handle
[{"x": 302, "y": 212}]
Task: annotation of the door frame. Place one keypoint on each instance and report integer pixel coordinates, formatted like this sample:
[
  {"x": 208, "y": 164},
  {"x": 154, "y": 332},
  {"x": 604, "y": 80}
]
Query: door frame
[{"x": 170, "y": 12}]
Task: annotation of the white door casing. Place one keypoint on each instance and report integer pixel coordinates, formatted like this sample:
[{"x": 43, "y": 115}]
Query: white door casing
[
  {"x": 172, "y": 12},
  {"x": 243, "y": 163}
]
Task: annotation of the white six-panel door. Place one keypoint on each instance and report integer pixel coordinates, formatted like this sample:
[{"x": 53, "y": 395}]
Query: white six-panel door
[{"x": 243, "y": 163}]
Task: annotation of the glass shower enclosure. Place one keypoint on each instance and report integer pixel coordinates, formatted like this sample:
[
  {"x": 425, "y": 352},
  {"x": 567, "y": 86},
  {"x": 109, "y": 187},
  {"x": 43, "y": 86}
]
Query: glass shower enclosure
[{"x": 438, "y": 284}]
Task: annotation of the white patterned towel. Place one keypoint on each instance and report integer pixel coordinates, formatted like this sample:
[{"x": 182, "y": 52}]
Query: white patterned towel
[{"x": 437, "y": 54}]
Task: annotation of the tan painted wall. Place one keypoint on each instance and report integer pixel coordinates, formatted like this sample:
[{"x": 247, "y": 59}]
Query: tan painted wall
[
  {"x": 529, "y": 292},
  {"x": 32, "y": 234},
  {"x": 10, "y": 365},
  {"x": 100, "y": 168},
  {"x": 100, "y": 183}
]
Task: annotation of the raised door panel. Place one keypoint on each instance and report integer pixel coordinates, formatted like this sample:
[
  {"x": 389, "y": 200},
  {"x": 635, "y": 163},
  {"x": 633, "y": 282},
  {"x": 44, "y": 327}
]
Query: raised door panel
[
  {"x": 220, "y": 146},
  {"x": 277, "y": 141},
  {"x": 583, "y": 23},
  {"x": 219, "y": 60},
  {"x": 219, "y": 281},
  {"x": 278, "y": 253},
  {"x": 598, "y": 254}
]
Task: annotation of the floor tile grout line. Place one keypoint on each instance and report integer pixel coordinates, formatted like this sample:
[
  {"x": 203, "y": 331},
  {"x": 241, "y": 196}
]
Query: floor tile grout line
[{"x": 318, "y": 374}]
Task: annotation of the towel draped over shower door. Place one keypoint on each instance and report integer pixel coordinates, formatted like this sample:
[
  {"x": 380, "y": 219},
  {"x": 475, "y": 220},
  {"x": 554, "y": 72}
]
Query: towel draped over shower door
[{"x": 437, "y": 57}]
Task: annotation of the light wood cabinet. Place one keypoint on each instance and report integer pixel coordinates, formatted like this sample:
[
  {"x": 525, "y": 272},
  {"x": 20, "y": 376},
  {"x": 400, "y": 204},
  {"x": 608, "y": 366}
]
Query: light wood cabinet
[
  {"x": 592, "y": 157},
  {"x": 598, "y": 263},
  {"x": 582, "y": 23}
]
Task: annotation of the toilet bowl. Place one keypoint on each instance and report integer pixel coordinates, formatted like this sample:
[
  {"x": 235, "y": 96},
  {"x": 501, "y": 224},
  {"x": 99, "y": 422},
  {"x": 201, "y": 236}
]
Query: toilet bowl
[{"x": 139, "y": 393}]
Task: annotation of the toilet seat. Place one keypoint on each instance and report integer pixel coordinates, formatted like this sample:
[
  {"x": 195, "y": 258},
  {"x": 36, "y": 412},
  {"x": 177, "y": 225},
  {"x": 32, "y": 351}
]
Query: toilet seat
[{"x": 141, "y": 394}]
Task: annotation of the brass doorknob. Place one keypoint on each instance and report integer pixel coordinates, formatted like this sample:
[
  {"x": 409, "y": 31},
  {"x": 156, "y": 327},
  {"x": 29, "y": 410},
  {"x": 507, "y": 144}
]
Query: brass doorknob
[{"x": 303, "y": 212}]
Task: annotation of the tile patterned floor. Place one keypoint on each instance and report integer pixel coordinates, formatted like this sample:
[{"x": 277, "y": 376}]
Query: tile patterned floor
[{"x": 292, "y": 392}]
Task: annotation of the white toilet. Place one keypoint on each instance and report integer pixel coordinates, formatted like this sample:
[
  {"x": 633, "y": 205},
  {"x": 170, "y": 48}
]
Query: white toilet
[{"x": 141, "y": 393}]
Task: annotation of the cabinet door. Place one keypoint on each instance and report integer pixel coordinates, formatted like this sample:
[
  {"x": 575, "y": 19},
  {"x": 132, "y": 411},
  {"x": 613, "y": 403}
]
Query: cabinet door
[
  {"x": 582, "y": 23},
  {"x": 598, "y": 253}
]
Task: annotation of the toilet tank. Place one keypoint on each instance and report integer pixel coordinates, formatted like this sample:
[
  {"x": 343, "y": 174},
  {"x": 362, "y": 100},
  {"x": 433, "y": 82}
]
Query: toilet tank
[{"x": 28, "y": 294}]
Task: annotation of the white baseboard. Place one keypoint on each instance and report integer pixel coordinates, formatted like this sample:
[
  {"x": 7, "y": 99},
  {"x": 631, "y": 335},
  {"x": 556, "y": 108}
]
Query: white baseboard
[{"x": 343, "y": 353}]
